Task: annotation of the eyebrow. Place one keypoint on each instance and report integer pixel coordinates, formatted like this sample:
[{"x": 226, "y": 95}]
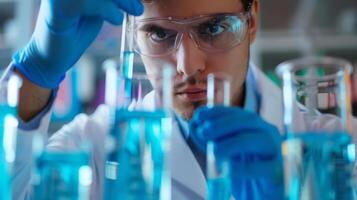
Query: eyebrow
[
  {"x": 215, "y": 19},
  {"x": 150, "y": 27}
]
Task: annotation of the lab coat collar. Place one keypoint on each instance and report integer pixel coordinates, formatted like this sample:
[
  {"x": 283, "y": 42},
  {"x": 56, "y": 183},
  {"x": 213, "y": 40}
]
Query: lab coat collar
[
  {"x": 184, "y": 167},
  {"x": 271, "y": 102},
  {"x": 270, "y": 108}
]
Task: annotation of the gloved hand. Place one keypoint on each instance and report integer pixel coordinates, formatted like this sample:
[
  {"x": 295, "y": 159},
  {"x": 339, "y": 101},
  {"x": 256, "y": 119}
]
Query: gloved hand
[
  {"x": 252, "y": 146},
  {"x": 64, "y": 30}
]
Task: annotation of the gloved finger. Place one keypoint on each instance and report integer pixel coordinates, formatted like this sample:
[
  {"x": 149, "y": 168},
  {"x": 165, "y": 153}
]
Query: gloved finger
[
  {"x": 248, "y": 143},
  {"x": 110, "y": 12},
  {"x": 134, "y": 7},
  {"x": 232, "y": 123},
  {"x": 90, "y": 27},
  {"x": 193, "y": 124},
  {"x": 201, "y": 144},
  {"x": 203, "y": 113}
]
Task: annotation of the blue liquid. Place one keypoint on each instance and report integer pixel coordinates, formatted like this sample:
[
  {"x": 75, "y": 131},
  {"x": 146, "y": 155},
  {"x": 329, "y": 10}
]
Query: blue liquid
[
  {"x": 4, "y": 181},
  {"x": 140, "y": 156},
  {"x": 128, "y": 67},
  {"x": 57, "y": 175},
  {"x": 128, "y": 64},
  {"x": 219, "y": 188},
  {"x": 326, "y": 168}
]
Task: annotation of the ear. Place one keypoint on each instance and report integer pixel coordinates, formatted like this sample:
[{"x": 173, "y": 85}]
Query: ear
[{"x": 254, "y": 21}]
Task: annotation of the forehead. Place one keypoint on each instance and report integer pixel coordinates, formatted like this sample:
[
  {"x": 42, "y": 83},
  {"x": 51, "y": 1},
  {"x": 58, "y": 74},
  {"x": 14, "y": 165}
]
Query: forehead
[{"x": 182, "y": 9}]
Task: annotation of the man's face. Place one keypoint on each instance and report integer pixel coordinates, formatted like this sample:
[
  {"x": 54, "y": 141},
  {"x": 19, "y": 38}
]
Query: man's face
[{"x": 191, "y": 64}]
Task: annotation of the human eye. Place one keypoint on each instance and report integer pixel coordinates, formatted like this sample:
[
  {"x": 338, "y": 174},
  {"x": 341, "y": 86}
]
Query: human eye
[
  {"x": 213, "y": 27},
  {"x": 159, "y": 34}
]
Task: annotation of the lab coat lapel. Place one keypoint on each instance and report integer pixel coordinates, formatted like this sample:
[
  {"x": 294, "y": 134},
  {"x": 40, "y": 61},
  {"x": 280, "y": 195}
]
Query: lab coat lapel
[
  {"x": 187, "y": 177},
  {"x": 271, "y": 105},
  {"x": 185, "y": 170}
]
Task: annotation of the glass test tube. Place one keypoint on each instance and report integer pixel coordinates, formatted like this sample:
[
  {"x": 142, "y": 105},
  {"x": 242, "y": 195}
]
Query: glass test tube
[
  {"x": 127, "y": 52},
  {"x": 117, "y": 76},
  {"x": 10, "y": 85},
  {"x": 218, "y": 171},
  {"x": 318, "y": 159},
  {"x": 136, "y": 166}
]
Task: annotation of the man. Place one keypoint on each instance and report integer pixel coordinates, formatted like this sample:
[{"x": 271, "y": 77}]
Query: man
[{"x": 251, "y": 128}]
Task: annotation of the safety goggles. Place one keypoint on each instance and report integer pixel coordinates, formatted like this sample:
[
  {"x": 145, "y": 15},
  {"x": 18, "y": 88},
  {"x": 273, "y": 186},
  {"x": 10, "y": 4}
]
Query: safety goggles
[{"x": 211, "y": 33}]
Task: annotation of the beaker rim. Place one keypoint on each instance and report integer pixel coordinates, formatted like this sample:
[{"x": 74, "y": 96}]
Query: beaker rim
[{"x": 291, "y": 66}]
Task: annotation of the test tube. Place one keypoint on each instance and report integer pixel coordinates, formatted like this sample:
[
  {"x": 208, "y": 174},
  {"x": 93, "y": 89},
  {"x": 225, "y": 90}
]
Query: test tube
[
  {"x": 218, "y": 170},
  {"x": 137, "y": 165},
  {"x": 124, "y": 68},
  {"x": 127, "y": 52},
  {"x": 319, "y": 157},
  {"x": 10, "y": 84}
]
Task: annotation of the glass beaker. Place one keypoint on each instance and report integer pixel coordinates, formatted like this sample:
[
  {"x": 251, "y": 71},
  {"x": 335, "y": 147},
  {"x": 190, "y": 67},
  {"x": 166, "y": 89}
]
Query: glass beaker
[
  {"x": 318, "y": 158},
  {"x": 60, "y": 174},
  {"x": 10, "y": 85},
  {"x": 218, "y": 170},
  {"x": 137, "y": 165}
]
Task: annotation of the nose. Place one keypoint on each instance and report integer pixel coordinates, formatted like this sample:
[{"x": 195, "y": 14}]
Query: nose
[{"x": 189, "y": 58}]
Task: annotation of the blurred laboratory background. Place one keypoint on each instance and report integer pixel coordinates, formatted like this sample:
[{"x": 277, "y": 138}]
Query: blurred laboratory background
[{"x": 288, "y": 29}]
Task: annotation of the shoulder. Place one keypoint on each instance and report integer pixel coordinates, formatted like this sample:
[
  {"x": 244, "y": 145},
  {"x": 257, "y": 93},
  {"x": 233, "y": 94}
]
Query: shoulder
[{"x": 263, "y": 84}]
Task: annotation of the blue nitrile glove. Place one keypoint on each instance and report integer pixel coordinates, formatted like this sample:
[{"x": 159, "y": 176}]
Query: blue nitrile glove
[
  {"x": 64, "y": 30},
  {"x": 252, "y": 146}
]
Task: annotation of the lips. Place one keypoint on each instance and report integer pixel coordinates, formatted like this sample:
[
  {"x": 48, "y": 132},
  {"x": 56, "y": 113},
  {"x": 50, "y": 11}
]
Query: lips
[{"x": 192, "y": 94}]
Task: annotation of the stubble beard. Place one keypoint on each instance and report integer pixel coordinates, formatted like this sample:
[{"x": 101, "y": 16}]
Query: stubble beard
[{"x": 186, "y": 109}]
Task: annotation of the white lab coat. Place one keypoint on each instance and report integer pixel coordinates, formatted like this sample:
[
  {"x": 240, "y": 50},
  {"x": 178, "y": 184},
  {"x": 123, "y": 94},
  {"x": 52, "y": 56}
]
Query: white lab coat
[{"x": 188, "y": 181}]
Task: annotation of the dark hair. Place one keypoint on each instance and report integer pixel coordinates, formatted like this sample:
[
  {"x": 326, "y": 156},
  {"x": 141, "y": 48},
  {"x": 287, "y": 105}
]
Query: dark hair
[{"x": 247, "y": 4}]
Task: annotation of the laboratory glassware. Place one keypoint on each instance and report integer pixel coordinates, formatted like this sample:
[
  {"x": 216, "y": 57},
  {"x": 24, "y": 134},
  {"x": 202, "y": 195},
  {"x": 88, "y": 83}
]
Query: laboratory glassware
[
  {"x": 59, "y": 174},
  {"x": 10, "y": 85},
  {"x": 127, "y": 52},
  {"x": 218, "y": 170},
  {"x": 318, "y": 158},
  {"x": 124, "y": 68},
  {"x": 137, "y": 165}
]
